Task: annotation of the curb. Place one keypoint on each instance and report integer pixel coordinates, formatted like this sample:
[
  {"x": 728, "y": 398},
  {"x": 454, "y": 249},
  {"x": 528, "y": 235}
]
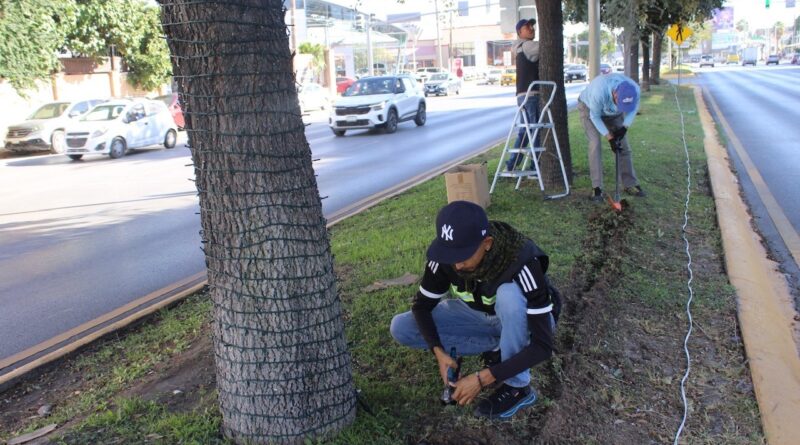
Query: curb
[{"x": 765, "y": 308}]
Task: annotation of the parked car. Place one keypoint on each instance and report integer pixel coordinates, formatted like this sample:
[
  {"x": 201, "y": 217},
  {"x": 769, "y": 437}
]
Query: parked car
[
  {"x": 509, "y": 77},
  {"x": 313, "y": 96},
  {"x": 44, "y": 128},
  {"x": 117, "y": 126},
  {"x": 605, "y": 68},
  {"x": 773, "y": 59},
  {"x": 343, "y": 83},
  {"x": 378, "y": 102},
  {"x": 493, "y": 76},
  {"x": 442, "y": 84},
  {"x": 174, "y": 107},
  {"x": 706, "y": 61},
  {"x": 423, "y": 73},
  {"x": 575, "y": 72}
]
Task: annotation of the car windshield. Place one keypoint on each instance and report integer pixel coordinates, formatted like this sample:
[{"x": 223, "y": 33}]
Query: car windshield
[
  {"x": 104, "y": 113},
  {"x": 367, "y": 87},
  {"x": 511, "y": 71},
  {"x": 439, "y": 77},
  {"x": 50, "y": 111}
]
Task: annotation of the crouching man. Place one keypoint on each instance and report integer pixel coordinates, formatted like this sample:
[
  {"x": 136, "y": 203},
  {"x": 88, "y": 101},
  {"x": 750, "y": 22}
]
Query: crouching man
[{"x": 502, "y": 306}]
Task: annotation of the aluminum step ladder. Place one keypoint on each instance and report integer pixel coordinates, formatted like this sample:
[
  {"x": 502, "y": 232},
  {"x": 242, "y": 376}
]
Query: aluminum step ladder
[{"x": 531, "y": 154}]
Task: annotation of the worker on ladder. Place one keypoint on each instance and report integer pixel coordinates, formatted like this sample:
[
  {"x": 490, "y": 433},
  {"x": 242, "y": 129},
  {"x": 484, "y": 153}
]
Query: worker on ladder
[{"x": 526, "y": 51}]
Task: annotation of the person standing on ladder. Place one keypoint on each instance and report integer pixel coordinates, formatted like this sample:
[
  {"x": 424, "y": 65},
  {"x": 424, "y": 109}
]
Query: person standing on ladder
[
  {"x": 607, "y": 107},
  {"x": 526, "y": 51}
]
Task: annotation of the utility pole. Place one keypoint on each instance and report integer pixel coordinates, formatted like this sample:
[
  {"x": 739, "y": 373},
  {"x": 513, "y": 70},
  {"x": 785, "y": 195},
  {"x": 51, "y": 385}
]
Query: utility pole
[
  {"x": 294, "y": 27},
  {"x": 450, "y": 45},
  {"x": 594, "y": 38},
  {"x": 438, "y": 39},
  {"x": 371, "y": 68}
]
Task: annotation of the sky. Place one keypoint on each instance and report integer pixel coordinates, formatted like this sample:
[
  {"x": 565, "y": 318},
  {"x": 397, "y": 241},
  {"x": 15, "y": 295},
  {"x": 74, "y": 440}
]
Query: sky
[{"x": 758, "y": 16}]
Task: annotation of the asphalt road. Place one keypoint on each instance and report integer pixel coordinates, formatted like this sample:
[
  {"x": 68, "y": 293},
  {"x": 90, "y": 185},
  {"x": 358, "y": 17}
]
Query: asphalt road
[
  {"x": 79, "y": 239},
  {"x": 757, "y": 110}
]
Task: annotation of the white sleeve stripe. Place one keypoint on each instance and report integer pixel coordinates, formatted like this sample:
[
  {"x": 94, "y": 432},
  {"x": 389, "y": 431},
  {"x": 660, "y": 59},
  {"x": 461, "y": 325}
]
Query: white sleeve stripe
[
  {"x": 526, "y": 287},
  {"x": 528, "y": 272},
  {"x": 433, "y": 266},
  {"x": 430, "y": 294},
  {"x": 542, "y": 310}
]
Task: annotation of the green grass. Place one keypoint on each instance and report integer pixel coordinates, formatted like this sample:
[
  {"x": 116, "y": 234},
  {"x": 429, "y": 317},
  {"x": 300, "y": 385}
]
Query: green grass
[{"x": 401, "y": 385}]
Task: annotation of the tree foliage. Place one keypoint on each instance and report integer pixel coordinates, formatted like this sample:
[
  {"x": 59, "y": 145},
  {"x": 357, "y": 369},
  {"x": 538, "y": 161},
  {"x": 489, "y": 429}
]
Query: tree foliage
[
  {"x": 31, "y": 32},
  {"x": 132, "y": 28}
]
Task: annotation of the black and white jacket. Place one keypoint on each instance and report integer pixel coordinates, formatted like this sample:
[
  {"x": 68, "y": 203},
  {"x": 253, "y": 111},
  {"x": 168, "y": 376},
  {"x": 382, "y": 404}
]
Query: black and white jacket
[{"x": 528, "y": 272}]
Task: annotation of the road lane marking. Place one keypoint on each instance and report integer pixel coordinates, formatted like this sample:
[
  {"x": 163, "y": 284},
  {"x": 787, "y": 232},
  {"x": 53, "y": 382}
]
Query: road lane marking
[{"x": 785, "y": 229}]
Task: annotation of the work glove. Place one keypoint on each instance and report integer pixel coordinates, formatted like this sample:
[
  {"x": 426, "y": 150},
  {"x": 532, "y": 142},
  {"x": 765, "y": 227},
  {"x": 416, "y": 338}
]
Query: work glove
[
  {"x": 620, "y": 132},
  {"x": 616, "y": 144}
]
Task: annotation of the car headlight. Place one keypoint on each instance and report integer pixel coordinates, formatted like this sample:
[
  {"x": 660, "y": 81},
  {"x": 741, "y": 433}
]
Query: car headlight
[
  {"x": 36, "y": 129},
  {"x": 100, "y": 132},
  {"x": 379, "y": 106}
]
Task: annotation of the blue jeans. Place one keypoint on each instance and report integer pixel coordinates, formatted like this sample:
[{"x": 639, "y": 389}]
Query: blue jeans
[
  {"x": 473, "y": 332},
  {"x": 532, "y": 110}
]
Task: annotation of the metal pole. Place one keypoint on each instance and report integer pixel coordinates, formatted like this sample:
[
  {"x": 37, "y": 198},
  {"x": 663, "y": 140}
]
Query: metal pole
[
  {"x": 438, "y": 39},
  {"x": 294, "y": 27},
  {"x": 594, "y": 38},
  {"x": 450, "y": 45},
  {"x": 370, "y": 69}
]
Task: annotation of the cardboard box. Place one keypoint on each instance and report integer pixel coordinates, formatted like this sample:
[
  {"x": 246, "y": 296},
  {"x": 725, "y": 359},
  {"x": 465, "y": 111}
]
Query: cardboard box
[{"x": 468, "y": 183}]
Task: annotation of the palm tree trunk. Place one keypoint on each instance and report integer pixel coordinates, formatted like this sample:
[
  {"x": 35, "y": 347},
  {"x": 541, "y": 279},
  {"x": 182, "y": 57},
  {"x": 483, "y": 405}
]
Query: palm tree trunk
[
  {"x": 645, "y": 39},
  {"x": 551, "y": 67},
  {"x": 655, "y": 67},
  {"x": 283, "y": 369}
]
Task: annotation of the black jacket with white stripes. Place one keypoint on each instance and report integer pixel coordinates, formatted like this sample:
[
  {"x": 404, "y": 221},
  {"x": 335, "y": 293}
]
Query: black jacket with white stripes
[{"x": 528, "y": 272}]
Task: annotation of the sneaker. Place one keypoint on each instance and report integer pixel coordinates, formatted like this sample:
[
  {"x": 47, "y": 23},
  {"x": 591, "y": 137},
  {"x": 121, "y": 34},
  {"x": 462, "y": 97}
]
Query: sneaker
[
  {"x": 636, "y": 191},
  {"x": 505, "y": 402},
  {"x": 490, "y": 358},
  {"x": 597, "y": 196}
]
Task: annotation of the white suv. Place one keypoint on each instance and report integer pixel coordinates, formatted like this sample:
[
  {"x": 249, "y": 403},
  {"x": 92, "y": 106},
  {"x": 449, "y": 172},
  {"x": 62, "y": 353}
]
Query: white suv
[{"x": 378, "y": 102}]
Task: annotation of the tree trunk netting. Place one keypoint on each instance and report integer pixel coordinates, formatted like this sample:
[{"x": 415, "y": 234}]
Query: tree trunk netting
[{"x": 283, "y": 369}]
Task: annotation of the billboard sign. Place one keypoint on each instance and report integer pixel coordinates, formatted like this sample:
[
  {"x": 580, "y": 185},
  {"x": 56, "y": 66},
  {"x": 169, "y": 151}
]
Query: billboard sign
[{"x": 722, "y": 19}]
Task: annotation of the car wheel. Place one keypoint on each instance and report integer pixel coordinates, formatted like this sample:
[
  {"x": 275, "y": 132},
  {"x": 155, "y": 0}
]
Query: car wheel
[
  {"x": 118, "y": 148},
  {"x": 426, "y": 94},
  {"x": 75, "y": 157},
  {"x": 422, "y": 115},
  {"x": 58, "y": 142},
  {"x": 170, "y": 139},
  {"x": 391, "y": 122},
  {"x": 338, "y": 132}
]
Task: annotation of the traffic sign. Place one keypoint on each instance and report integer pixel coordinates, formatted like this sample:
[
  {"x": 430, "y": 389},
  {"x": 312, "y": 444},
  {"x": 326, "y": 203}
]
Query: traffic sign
[{"x": 679, "y": 33}]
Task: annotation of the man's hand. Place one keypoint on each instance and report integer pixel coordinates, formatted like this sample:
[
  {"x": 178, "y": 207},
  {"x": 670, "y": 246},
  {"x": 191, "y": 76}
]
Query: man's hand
[
  {"x": 445, "y": 362},
  {"x": 620, "y": 132},
  {"x": 469, "y": 386}
]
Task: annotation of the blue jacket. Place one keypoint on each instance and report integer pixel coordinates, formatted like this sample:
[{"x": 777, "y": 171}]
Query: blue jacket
[{"x": 598, "y": 98}]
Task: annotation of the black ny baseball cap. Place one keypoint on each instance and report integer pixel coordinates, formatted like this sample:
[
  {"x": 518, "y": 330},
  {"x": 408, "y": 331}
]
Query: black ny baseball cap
[{"x": 461, "y": 226}]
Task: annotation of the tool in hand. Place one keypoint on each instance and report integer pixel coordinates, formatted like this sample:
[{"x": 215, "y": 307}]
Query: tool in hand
[
  {"x": 616, "y": 147},
  {"x": 452, "y": 377}
]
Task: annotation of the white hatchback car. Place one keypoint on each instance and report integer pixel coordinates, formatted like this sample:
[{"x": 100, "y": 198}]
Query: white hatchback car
[
  {"x": 44, "y": 129},
  {"x": 115, "y": 127}
]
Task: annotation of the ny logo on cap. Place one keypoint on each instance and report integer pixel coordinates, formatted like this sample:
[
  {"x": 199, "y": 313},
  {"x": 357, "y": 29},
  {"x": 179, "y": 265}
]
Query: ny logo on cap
[
  {"x": 627, "y": 100},
  {"x": 447, "y": 232}
]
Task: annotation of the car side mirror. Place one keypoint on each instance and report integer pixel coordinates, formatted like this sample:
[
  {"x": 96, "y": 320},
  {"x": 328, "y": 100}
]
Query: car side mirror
[{"x": 74, "y": 113}]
